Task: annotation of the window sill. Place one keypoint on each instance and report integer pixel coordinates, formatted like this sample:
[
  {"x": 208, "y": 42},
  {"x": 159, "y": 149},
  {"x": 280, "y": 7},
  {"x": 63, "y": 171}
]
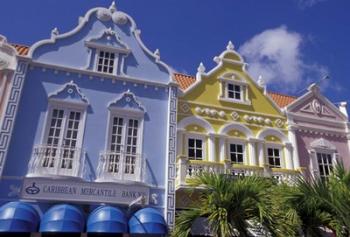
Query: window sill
[{"x": 248, "y": 102}]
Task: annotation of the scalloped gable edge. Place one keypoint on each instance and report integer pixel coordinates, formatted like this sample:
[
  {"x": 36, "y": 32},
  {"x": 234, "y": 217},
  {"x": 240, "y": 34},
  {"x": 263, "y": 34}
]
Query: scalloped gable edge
[{"x": 83, "y": 20}]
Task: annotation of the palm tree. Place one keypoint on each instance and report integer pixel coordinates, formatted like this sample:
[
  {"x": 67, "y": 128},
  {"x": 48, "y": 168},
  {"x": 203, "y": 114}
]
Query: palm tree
[
  {"x": 307, "y": 204},
  {"x": 230, "y": 204},
  {"x": 339, "y": 195}
]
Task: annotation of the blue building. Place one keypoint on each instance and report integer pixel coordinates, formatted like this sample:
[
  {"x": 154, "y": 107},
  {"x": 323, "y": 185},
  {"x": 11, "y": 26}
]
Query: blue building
[{"x": 88, "y": 140}]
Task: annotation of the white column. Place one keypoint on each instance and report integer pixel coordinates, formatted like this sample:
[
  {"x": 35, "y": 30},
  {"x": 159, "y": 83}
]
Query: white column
[
  {"x": 261, "y": 153},
  {"x": 180, "y": 141},
  {"x": 211, "y": 147},
  {"x": 289, "y": 155},
  {"x": 222, "y": 149},
  {"x": 182, "y": 169},
  {"x": 293, "y": 139},
  {"x": 252, "y": 154}
]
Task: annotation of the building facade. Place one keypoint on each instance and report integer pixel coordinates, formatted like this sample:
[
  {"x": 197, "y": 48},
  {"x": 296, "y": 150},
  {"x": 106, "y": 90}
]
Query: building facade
[
  {"x": 93, "y": 133},
  {"x": 321, "y": 132},
  {"x": 228, "y": 124}
]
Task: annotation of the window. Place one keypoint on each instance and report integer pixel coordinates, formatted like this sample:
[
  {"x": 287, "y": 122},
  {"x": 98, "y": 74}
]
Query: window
[
  {"x": 236, "y": 153},
  {"x": 325, "y": 166},
  {"x": 124, "y": 139},
  {"x": 62, "y": 138},
  {"x": 195, "y": 149},
  {"x": 234, "y": 91},
  {"x": 105, "y": 62},
  {"x": 274, "y": 159}
]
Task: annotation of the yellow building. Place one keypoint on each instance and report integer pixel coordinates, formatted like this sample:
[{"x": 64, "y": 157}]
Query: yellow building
[{"x": 227, "y": 123}]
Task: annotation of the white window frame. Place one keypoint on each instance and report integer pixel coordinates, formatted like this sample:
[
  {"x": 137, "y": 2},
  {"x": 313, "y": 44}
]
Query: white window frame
[
  {"x": 115, "y": 65},
  {"x": 126, "y": 115},
  {"x": 237, "y": 142},
  {"x": 204, "y": 145},
  {"x": 281, "y": 155},
  {"x": 66, "y": 106},
  {"x": 243, "y": 91},
  {"x": 331, "y": 152}
]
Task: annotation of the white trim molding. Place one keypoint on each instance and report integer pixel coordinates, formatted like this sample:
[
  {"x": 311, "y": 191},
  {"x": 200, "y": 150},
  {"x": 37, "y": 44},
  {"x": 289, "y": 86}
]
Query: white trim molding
[{"x": 195, "y": 120}]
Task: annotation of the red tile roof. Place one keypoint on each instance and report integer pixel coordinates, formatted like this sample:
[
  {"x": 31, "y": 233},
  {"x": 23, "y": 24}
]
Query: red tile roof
[
  {"x": 184, "y": 80},
  {"x": 21, "y": 49},
  {"x": 280, "y": 99}
]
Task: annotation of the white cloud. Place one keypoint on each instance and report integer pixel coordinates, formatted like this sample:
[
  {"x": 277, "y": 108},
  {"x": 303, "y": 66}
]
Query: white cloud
[
  {"x": 276, "y": 54},
  {"x": 308, "y": 3}
]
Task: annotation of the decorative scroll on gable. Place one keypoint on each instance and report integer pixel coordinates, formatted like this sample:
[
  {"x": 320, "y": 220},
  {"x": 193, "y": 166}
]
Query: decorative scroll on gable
[
  {"x": 323, "y": 144},
  {"x": 108, "y": 40},
  {"x": 128, "y": 102},
  {"x": 315, "y": 107},
  {"x": 70, "y": 92}
]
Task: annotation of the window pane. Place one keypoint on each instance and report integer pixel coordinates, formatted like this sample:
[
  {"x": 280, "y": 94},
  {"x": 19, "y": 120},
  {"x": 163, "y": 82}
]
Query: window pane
[
  {"x": 198, "y": 143},
  {"x": 270, "y": 152},
  {"x": 191, "y": 142}
]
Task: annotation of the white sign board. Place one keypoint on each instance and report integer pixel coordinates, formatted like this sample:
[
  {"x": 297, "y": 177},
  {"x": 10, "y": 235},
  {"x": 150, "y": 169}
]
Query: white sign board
[{"x": 80, "y": 191}]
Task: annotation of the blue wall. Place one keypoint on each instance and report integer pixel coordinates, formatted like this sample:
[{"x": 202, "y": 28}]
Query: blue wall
[{"x": 71, "y": 52}]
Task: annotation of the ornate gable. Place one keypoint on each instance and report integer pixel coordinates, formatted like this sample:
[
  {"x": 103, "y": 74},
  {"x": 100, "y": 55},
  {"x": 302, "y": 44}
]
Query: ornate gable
[
  {"x": 109, "y": 39},
  {"x": 313, "y": 103},
  {"x": 322, "y": 144},
  {"x": 69, "y": 92},
  {"x": 128, "y": 101}
]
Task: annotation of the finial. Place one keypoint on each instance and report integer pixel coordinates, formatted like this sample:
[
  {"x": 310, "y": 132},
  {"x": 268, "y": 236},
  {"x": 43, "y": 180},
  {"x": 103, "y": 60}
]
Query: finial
[
  {"x": 261, "y": 81},
  {"x": 201, "y": 68},
  {"x": 54, "y": 32},
  {"x": 230, "y": 46},
  {"x": 113, "y": 7},
  {"x": 157, "y": 53}
]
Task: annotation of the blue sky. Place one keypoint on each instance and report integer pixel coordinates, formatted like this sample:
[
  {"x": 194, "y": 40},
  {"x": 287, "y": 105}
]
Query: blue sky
[{"x": 291, "y": 43}]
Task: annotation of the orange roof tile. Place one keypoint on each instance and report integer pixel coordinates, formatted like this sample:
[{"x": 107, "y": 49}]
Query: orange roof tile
[
  {"x": 21, "y": 49},
  {"x": 183, "y": 80},
  {"x": 280, "y": 99}
]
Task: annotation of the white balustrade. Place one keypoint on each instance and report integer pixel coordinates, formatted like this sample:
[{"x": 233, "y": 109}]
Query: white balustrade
[
  {"x": 119, "y": 166},
  {"x": 53, "y": 160},
  {"x": 187, "y": 169},
  {"x": 194, "y": 168}
]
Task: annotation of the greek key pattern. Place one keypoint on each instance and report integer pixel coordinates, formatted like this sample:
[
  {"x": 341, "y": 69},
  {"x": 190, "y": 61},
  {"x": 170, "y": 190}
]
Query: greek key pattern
[
  {"x": 170, "y": 212},
  {"x": 11, "y": 110}
]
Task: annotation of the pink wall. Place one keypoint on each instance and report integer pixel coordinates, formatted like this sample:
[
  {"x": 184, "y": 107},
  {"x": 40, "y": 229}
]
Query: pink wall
[{"x": 305, "y": 138}]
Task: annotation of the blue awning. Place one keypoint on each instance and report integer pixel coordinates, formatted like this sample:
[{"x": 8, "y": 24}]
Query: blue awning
[
  {"x": 18, "y": 217},
  {"x": 147, "y": 221},
  {"x": 62, "y": 218},
  {"x": 107, "y": 219}
]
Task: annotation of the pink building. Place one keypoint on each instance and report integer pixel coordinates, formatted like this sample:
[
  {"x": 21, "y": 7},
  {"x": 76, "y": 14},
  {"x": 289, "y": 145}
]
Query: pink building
[{"x": 320, "y": 131}]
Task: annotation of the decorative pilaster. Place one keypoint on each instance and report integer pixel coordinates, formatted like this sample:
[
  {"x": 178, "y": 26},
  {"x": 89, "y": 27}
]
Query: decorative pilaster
[
  {"x": 261, "y": 156},
  {"x": 211, "y": 147},
  {"x": 180, "y": 141},
  {"x": 293, "y": 140},
  {"x": 171, "y": 161},
  {"x": 222, "y": 149},
  {"x": 11, "y": 111},
  {"x": 252, "y": 154},
  {"x": 289, "y": 155},
  {"x": 182, "y": 169}
]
